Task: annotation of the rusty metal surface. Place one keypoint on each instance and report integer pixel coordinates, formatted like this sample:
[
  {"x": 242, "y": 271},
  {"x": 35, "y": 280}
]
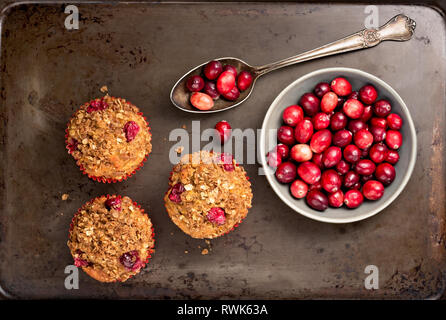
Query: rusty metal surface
[{"x": 139, "y": 51}]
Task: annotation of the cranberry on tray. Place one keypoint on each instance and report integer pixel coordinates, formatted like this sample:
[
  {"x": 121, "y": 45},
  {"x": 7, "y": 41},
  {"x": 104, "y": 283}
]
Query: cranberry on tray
[{"x": 337, "y": 146}]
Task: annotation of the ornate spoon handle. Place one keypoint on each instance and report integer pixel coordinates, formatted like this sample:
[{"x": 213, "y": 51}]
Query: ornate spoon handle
[{"x": 399, "y": 28}]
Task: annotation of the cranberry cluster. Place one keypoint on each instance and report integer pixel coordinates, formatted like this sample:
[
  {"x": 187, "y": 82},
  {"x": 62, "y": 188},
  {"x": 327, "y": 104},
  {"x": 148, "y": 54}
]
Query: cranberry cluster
[
  {"x": 337, "y": 146},
  {"x": 220, "y": 80}
]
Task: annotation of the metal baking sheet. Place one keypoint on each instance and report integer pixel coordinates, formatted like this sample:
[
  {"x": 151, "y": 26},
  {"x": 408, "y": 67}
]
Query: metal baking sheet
[{"x": 139, "y": 50}]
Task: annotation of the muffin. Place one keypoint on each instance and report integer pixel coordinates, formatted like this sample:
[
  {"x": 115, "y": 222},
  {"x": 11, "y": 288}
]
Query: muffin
[
  {"x": 109, "y": 139},
  {"x": 209, "y": 194},
  {"x": 111, "y": 238}
]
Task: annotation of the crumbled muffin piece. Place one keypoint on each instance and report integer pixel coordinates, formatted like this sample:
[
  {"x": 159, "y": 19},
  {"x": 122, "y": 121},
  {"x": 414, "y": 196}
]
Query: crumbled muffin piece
[
  {"x": 111, "y": 238},
  {"x": 109, "y": 138},
  {"x": 208, "y": 194}
]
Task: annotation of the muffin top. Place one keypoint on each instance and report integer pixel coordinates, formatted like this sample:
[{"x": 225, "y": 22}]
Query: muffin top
[
  {"x": 208, "y": 195},
  {"x": 111, "y": 238},
  {"x": 109, "y": 138}
]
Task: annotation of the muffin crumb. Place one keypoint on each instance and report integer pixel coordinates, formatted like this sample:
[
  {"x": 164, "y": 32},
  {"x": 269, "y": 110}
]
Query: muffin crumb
[{"x": 65, "y": 197}]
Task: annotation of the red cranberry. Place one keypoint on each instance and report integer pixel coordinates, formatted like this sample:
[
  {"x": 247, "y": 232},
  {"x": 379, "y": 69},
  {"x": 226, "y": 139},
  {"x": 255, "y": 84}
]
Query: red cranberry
[
  {"x": 216, "y": 216},
  {"x": 78, "y": 262},
  {"x": 321, "y": 121},
  {"x": 210, "y": 88},
  {"x": 225, "y": 82},
  {"x": 309, "y": 172},
  {"x": 113, "y": 203},
  {"x": 378, "y": 153},
  {"x": 231, "y": 69},
  {"x": 341, "y": 86},
  {"x": 286, "y": 172},
  {"x": 97, "y": 105},
  {"x": 356, "y": 125},
  {"x": 227, "y": 160},
  {"x": 378, "y": 122},
  {"x": 72, "y": 145},
  {"x": 373, "y": 190},
  {"x": 195, "y": 83},
  {"x": 365, "y": 167},
  {"x": 329, "y": 102},
  {"x": 331, "y": 157},
  {"x": 315, "y": 186},
  {"x": 364, "y": 179},
  {"x": 131, "y": 261},
  {"x": 244, "y": 80},
  {"x": 342, "y": 167},
  {"x": 392, "y": 156},
  {"x": 394, "y": 139},
  {"x": 285, "y": 135},
  {"x": 352, "y": 153},
  {"x": 363, "y": 139},
  {"x": 213, "y": 69},
  {"x": 310, "y": 104},
  {"x": 317, "y": 200},
  {"x": 365, "y": 153},
  {"x": 353, "y": 199},
  {"x": 232, "y": 95},
  {"x": 394, "y": 121},
  {"x": 301, "y": 152},
  {"x": 283, "y": 150},
  {"x": 382, "y": 108},
  {"x": 331, "y": 181},
  {"x": 299, "y": 189},
  {"x": 368, "y": 94},
  {"x": 320, "y": 141},
  {"x": 351, "y": 178},
  {"x": 367, "y": 114},
  {"x": 338, "y": 121},
  {"x": 175, "y": 192},
  {"x": 385, "y": 173},
  {"x": 321, "y": 89},
  {"x": 273, "y": 159},
  {"x": 353, "y": 108},
  {"x": 292, "y": 115},
  {"x": 131, "y": 129},
  {"x": 317, "y": 160},
  {"x": 201, "y": 101},
  {"x": 336, "y": 199},
  {"x": 303, "y": 131},
  {"x": 340, "y": 102},
  {"x": 353, "y": 95},
  {"x": 224, "y": 130},
  {"x": 378, "y": 133},
  {"x": 342, "y": 138}
]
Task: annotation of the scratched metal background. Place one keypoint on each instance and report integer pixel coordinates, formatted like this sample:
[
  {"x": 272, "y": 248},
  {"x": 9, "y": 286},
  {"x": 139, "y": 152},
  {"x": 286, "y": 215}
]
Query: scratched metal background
[{"x": 139, "y": 50}]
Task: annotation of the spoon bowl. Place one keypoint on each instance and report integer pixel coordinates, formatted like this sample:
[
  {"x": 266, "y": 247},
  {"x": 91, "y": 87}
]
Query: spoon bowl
[{"x": 180, "y": 95}]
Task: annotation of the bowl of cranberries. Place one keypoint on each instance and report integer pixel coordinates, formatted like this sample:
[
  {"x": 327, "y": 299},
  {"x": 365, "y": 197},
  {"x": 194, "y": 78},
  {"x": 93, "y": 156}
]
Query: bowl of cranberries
[{"x": 338, "y": 145}]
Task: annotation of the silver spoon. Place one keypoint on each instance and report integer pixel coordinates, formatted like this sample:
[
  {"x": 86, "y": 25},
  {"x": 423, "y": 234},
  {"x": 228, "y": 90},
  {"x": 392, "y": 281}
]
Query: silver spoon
[{"x": 399, "y": 28}]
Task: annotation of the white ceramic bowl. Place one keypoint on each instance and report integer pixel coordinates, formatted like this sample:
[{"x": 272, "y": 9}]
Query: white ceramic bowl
[{"x": 291, "y": 95}]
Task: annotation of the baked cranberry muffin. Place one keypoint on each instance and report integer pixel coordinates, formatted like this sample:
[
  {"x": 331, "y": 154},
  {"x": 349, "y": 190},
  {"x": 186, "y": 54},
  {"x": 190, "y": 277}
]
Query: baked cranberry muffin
[
  {"x": 111, "y": 238},
  {"x": 209, "y": 194},
  {"x": 109, "y": 138}
]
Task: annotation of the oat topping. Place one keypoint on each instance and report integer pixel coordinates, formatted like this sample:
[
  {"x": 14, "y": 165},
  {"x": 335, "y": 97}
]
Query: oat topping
[
  {"x": 108, "y": 138},
  {"x": 204, "y": 199},
  {"x": 111, "y": 244}
]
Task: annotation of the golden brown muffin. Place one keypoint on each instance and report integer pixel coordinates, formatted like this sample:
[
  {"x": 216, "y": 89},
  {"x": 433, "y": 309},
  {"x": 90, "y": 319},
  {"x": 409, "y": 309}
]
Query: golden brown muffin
[
  {"x": 209, "y": 194},
  {"x": 109, "y": 138},
  {"x": 111, "y": 238}
]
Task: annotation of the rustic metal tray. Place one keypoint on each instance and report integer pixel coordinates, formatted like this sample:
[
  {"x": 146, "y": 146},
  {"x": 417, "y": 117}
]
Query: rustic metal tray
[{"x": 139, "y": 50}]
